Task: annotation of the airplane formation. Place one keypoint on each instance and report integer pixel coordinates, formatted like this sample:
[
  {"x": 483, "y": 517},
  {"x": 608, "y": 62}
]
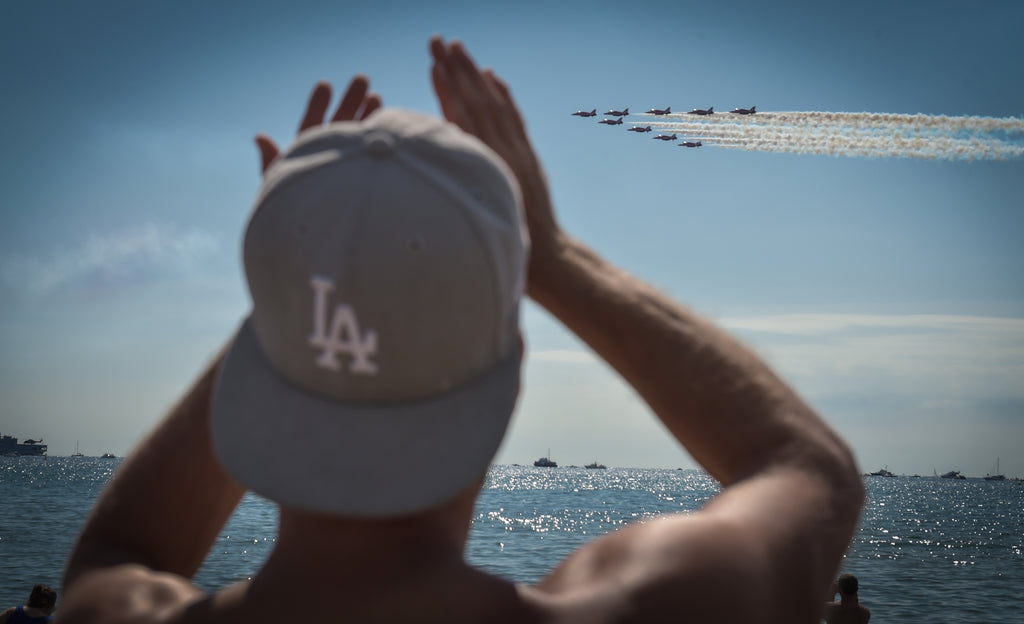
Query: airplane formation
[{"x": 617, "y": 116}]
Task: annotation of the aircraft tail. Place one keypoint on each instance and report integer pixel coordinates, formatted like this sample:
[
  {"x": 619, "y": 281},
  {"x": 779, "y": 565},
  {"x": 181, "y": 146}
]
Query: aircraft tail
[
  {"x": 625, "y": 112},
  {"x": 593, "y": 112},
  {"x": 753, "y": 109},
  {"x": 711, "y": 110},
  {"x": 668, "y": 110}
]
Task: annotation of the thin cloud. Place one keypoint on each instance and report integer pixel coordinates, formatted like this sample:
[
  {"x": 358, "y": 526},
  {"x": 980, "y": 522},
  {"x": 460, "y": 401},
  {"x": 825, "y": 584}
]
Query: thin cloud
[
  {"x": 817, "y": 324},
  {"x": 939, "y": 359},
  {"x": 127, "y": 255}
]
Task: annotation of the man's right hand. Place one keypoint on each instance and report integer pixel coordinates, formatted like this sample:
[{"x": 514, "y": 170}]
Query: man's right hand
[
  {"x": 481, "y": 104},
  {"x": 765, "y": 547}
]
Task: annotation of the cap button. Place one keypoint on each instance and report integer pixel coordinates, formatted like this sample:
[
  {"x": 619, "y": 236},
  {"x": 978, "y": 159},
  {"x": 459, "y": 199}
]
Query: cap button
[{"x": 379, "y": 144}]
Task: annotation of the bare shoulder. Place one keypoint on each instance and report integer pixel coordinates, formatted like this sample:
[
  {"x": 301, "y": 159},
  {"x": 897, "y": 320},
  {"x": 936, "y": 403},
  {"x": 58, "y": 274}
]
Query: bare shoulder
[
  {"x": 127, "y": 594},
  {"x": 700, "y": 567},
  {"x": 762, "y": 550}
]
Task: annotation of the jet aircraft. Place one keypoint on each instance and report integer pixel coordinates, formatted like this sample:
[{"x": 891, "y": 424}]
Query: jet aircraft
[
  {"x": 660, "y": 111},
  {"x": 690, "y": 144},
  {"x": 744, "y": 111},
  {"x": 612, "y": 122},
  {"x": 639, "y": 129},
  {"x": 665, "y": 137},
  {"x": 582, "y": 113},
  {"x": 700, "y": 111},
  {"x": 621, "y": 113}
]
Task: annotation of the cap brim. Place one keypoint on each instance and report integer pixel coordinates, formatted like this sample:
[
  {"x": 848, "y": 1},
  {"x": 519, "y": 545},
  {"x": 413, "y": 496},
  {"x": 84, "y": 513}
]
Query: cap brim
[{"x": 355, "y": 459}]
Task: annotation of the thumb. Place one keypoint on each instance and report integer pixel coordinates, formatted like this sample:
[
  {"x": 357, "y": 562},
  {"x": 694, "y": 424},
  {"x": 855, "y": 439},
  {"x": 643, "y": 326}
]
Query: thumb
[{"x": 268, "y": 151}]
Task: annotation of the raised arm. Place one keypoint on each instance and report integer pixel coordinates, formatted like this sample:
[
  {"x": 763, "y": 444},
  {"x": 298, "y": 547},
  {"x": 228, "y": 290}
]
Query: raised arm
[
  {"x": 155, "y": 522},
  {"x": 792, "y": 491}
]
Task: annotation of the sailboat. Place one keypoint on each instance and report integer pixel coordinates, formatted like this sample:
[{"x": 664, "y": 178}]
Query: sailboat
[
  {"x": 997, "y": 476},
  {"x": 77, "y": 453}
]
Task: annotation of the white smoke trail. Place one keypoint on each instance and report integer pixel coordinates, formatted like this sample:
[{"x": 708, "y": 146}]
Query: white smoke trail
[{"x": 874, "y": 135}]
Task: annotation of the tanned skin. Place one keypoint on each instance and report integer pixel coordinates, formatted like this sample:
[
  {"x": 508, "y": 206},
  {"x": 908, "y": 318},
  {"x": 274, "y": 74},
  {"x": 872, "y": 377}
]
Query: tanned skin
[{"x": 764, "y": 549}]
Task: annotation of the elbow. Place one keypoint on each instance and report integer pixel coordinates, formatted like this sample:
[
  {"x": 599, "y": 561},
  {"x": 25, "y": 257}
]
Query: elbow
[{"x": 849, "y": 480}]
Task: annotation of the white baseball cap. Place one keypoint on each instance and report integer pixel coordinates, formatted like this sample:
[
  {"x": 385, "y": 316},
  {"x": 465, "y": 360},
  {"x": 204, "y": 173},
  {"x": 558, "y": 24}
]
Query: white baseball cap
[{"x": 379, "y": 367}]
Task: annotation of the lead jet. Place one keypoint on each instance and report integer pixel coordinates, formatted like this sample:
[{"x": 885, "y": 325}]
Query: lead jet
[
  {"x": 665, "y": 137},
  {"x": 621, "y": 113},
  {"x": 639, "y": 129},
  {"x": 660, "y": 111},
  {"x": 612, "y": 122},
  {"x": 690, "y": 144},
  {"x": 582, "y": 113},
  {"x": 744, "y": 111},
  {"x": 700, "y": 111}
]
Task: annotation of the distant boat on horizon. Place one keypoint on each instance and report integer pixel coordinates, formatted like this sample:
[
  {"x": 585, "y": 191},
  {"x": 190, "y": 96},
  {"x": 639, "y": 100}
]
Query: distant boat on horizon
[
  {"x": 996, "y": 476},
  {"x": 10, "y": 447},
  {"x": 952, "y": 474},
  {"x": 884, "y": 472},
  {"x": 596, "y": 466},
  {"x": 77, "y": 453},
  {"x": 545, "y": 462},
  {"x": 108, "y": 456}
]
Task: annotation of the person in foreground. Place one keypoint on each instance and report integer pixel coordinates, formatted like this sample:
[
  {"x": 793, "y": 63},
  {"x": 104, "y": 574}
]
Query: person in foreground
[
  {"x": 386, "y": 256},
  {"x": 37, "y": 609},
  {"x": 848, "y": 609}
]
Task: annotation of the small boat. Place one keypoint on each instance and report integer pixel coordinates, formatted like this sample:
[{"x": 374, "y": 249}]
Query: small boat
[
  {"x": 545, "y": 462},
  {"x": 596, "y": 466},
  {"x": 884, "y": 472},
  {"x": 108, "y": 456},
  {"x": 996, "y": 476},
  {"x": 953, "y": 474},
  {"x": 77, "y": 453}
]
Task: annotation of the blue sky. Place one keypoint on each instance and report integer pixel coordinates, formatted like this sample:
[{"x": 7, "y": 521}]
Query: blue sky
[{"x": 887, "y": 290}]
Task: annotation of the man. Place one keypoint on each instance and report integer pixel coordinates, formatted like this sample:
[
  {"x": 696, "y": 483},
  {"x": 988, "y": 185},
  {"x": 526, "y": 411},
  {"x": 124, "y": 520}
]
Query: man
[
  {"x": 37, "y": 609},
  {"x": 315, "y": 364},
  {"x": 846, "y": 610}
]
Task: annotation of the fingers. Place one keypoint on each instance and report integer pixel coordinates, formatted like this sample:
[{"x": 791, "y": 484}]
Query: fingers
[
  {"x": 316, "y": 109},
  {"x": 453, "y": 105},
  {"x": 356, "y": 104},
  {"x": 370, "y": 105},
  {"x": 480, "y": 103},
  {"x": 268, "y": 151},
  {"x": 353, "y": 99},
  {"x": 514, "y": 121},
  {"x": 467, "y": 97}
]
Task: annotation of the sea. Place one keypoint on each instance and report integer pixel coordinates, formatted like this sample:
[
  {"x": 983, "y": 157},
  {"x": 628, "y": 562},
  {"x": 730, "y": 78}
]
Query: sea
[{"x": 928, "y": 549}]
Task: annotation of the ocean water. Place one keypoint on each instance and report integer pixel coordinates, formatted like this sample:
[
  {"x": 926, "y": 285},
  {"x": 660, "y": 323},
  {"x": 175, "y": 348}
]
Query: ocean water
[{"x": 928, "y": 549}]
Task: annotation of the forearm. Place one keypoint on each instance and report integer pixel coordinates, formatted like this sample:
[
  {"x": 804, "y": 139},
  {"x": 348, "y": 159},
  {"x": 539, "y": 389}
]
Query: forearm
[
  {"x": 728, "y": 409},
  {"x": 167, "y": 503}
]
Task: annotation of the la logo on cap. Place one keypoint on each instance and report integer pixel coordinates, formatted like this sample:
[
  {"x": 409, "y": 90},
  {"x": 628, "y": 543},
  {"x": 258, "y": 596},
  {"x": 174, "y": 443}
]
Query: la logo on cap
[{"x": 344, "y": 336}]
